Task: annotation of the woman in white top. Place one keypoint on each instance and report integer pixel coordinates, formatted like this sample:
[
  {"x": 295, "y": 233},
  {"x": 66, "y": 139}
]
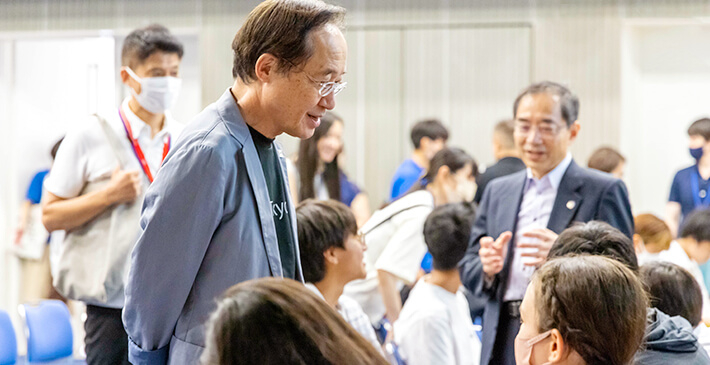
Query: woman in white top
[{"x": 394, "y": 234}]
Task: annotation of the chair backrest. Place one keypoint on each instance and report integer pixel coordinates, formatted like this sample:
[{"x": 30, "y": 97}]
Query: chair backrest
[
  {"x": 49, "y": 332},
  {"x": 8, "y": 342}
]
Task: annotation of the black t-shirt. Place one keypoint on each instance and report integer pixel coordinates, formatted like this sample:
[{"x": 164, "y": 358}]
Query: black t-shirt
[{"x": 269, "y": 158}]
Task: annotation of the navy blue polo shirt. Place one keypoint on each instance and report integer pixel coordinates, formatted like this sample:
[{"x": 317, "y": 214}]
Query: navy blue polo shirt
[{"x": 681, "y": 191}]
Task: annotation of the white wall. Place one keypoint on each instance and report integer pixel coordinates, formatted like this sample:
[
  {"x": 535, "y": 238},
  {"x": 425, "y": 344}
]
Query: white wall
[
  {"x": 666, "y": 87},
  {"x": 397, "y": 77}
]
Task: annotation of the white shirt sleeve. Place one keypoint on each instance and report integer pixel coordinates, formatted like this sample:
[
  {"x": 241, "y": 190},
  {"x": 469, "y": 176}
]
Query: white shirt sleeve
[
  {"x": 404, "y": 252},
  {"x": 68, "y": 174},
  {"x": 428, "y": 341}
]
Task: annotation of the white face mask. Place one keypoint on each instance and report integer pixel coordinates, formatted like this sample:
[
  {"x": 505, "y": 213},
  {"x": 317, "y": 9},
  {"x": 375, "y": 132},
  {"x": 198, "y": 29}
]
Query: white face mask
[
  {"x": 465, "y": 188},
  {"x": 158, "y": 94}
]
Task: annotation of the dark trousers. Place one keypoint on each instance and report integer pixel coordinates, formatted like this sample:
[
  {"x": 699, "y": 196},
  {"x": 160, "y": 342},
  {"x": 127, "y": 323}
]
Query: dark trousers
[
  {"x": 504, "y": 347},
  {"x": 106, "y": 340}
]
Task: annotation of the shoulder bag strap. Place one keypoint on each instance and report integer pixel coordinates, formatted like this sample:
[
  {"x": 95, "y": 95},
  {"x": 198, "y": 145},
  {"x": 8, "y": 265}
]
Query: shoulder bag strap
[
  {"x": 113, "y": 141},
  {"x": 393, "y": 215}
]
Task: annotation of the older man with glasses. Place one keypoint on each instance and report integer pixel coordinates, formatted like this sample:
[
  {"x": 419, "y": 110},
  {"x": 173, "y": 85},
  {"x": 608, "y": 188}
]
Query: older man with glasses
[
  {"x": 209, "y": 220},
  {"x": 521, "y": 214}
]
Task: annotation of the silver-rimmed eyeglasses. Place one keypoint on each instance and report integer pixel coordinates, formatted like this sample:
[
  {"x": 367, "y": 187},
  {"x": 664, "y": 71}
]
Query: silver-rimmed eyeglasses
[{"x": 328, "y": 87}]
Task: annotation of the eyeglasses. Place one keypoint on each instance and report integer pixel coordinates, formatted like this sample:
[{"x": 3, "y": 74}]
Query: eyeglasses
[
  {"x": 546, "y": 130},
  {"x": 360, "y": 237},
  {"x": 328, "y": 87}
]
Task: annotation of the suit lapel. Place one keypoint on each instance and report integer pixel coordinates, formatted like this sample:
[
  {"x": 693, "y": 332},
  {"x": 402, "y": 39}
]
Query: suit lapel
[
  {"x": 237, "y": 127},
  {"x": 511, "y": 198},
  {"x": 568, "y": 199}
]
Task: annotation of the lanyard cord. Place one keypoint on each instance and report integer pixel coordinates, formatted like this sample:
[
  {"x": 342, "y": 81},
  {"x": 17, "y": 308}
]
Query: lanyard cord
[
  {"x": 138, "y": 151},
  {"x": 695, "y": 190}
]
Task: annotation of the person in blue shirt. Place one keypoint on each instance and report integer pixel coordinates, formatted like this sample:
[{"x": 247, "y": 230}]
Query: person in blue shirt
[
  {"x": 33, "y": 196},
  {"x": 689, "y": 190},
  {"x": 31, "y": 239},
  {"x": 316, "y": 174},
  {"x": 428, "y": 138}
]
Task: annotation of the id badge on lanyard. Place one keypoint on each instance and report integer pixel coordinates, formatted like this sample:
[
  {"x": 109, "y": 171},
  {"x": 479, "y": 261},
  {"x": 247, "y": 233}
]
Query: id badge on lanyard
[
  {"x": 701, "y": 198},
  {"x": 138, "y": 151}
]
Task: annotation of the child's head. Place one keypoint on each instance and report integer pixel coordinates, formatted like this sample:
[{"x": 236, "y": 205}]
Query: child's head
[
  {"x": 696, "y": 230},
  {"x": 673, "y": 291},
  {"x": 447, "y": 231},
  {"x": 595, "y": 238},
  {"x": 429, "y": 136},
  {"x": 588, "y": 307},
  {"x": 280, "y": 321},
  {"x": 651, "y": 235},
  {"x": 328, "y": 241},
  {"x": 609, "y": 160}
]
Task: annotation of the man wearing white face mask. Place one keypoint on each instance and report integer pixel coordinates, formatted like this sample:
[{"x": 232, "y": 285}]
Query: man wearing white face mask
[{"x": 105, "y": 166}]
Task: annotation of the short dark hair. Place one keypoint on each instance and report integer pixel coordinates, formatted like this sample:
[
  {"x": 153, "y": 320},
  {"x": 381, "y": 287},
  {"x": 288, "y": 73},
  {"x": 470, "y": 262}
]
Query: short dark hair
[
  {"x": 569, "y": 103},
  {"x": 430, "y": 128},
  {"x": 673, "y": 290},
  {"x": 143, "y": 42},
  {"x": 596, "y": 303},
  {"x": 697, "y": 225},
  {"x": 596, "y": 238},
  {"x": 281, "y": 28},
  {"x": 321, "y": 225},
  {"x": 605, "y": 159},
  {"x": 446, "y": 232},
  {"x": 505, "y": 129},
  {"x": 700, "y": 127}
]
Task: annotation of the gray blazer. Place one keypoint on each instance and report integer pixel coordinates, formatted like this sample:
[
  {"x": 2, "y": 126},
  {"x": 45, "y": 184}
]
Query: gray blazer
[{"x": 207, "y": 224}]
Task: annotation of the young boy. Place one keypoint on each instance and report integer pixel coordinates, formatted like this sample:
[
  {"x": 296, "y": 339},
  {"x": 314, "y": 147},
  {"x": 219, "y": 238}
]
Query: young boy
[
  {"x": 428, "y": 138},
  {"x": 435, "y": 325},
  {"x": 332, "y": 256}
]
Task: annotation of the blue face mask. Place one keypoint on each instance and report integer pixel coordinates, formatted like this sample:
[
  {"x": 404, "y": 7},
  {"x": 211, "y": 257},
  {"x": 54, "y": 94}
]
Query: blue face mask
[{"x": 697, "y": 153}]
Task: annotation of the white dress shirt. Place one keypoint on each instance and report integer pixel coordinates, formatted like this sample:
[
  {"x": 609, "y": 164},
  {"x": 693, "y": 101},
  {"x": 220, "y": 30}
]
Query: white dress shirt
[
  {"x": 535, "y": 209},
  {"x": 86, "y": 155}
]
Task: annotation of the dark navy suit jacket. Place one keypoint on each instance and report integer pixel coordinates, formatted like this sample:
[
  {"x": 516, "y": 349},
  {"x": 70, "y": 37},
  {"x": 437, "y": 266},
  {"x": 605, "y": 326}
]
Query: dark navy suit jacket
[{"x": 596, "y": 196}]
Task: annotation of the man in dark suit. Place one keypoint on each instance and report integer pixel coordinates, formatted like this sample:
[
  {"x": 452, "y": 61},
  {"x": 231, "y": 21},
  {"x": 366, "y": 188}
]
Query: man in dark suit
[
  {"x": 521, "y": 214},
  {"x": 507, "y": 157}
]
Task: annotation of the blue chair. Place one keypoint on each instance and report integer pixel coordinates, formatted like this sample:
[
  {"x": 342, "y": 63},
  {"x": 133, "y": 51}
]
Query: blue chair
[
  {"x": 8, "y": 342},
  {"x": 49, "y": 332}
]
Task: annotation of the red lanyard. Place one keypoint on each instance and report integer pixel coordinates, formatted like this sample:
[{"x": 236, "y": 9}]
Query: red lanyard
[{"x": 137, "y": 148}]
